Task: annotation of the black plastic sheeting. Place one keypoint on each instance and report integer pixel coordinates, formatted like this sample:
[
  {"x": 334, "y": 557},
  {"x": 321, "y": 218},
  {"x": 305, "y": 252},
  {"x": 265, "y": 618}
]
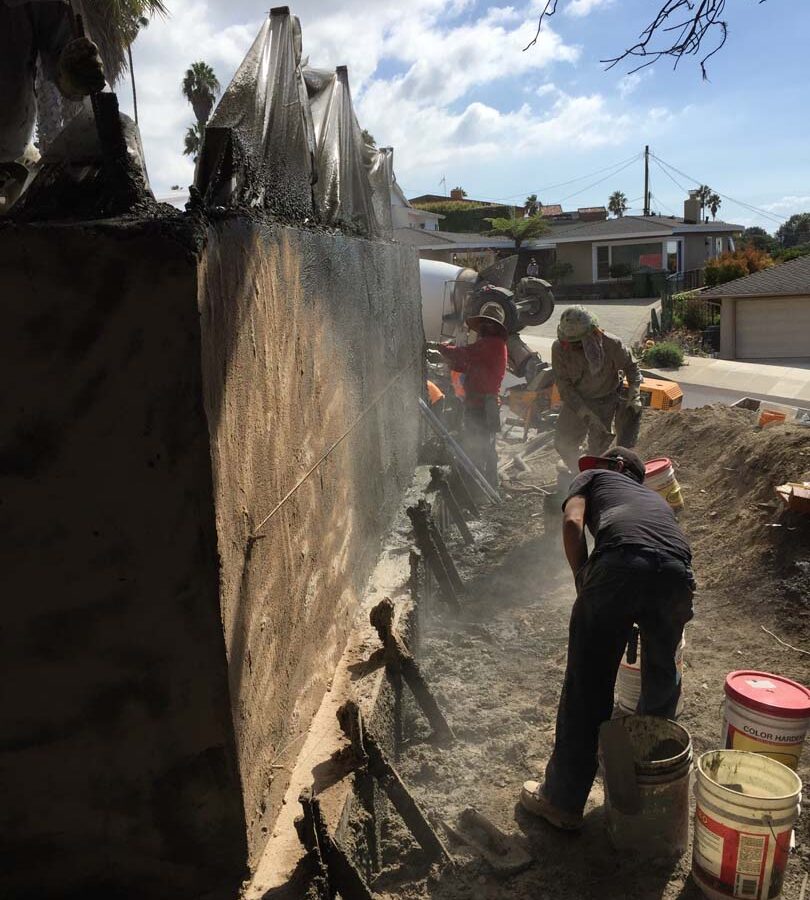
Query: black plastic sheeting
[{"x": 285, "y": 138}]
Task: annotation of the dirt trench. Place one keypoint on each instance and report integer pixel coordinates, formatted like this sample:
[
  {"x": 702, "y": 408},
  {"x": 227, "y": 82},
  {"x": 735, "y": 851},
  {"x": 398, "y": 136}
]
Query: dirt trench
[{"x": 497, "y": 668}]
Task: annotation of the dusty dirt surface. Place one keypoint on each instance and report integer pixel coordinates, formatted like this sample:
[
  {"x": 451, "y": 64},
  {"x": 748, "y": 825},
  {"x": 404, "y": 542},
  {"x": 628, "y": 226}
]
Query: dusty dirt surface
[{"x": 497, "y": 668}]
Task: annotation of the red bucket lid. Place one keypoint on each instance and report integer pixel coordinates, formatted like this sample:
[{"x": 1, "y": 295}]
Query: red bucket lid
[
  {"x": 656, "y": 466},
  {"x": 770, "y": 694}
]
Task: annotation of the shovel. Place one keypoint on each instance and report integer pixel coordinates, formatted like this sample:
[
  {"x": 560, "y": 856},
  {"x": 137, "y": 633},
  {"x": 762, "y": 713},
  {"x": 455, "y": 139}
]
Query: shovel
[{"x": 616, "y": 754}]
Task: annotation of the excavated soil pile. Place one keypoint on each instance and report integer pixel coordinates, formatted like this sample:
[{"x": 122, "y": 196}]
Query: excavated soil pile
[{"x": 497, "y": 667}]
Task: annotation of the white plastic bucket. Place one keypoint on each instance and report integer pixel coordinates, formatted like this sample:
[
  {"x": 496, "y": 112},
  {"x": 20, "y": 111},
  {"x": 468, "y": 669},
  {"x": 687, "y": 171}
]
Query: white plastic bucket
[
  {"x": 767, "y": 714},
  {"x": 662, "y": 757},
  {"x": 628, "y": 680},
  {"x": 746, "y": 807},
  {"x": 660, "y": 477}
]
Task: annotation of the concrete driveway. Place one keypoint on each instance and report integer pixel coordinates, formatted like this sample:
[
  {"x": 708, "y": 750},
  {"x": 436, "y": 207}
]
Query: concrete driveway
[{"x": 627, "y": 319}]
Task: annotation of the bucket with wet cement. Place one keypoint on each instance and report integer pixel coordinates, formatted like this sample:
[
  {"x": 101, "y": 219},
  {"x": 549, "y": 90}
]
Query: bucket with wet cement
[
  {"x": 746, "y": 807},
  {"x": 662, "y": 760}
]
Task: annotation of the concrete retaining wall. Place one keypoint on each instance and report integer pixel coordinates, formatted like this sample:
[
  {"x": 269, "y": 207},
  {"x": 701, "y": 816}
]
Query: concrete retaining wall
[
  {"x": 158, "y": 401},
  {"x": 308, "y": 339}
]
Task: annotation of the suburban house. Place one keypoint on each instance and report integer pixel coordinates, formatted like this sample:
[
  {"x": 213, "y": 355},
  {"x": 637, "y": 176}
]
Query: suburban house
[
  {"x": 766, "y": 315},
  {"x": 630, "y": 243},
  {"x": 404, "y": 215}
]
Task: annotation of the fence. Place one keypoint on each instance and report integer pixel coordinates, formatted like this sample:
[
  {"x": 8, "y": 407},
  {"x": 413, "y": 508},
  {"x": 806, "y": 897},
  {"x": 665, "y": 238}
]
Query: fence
[{"x": 683, "y": 306}]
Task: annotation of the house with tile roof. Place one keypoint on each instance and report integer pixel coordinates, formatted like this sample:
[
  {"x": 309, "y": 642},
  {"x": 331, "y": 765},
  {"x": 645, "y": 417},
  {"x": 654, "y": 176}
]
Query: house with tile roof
[{"x": 766, "y": 315}]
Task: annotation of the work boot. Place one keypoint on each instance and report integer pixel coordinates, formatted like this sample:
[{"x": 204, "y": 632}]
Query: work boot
[{"x": 533, "y": 800}]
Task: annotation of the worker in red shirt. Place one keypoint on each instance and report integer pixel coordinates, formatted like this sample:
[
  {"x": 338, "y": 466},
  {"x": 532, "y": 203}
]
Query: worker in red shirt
[{"x": 484, "y": 365}]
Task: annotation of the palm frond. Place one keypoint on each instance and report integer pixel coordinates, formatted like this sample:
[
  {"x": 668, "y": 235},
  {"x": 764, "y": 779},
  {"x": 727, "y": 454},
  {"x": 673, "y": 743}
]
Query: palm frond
[{"x": 114, "y": 25}]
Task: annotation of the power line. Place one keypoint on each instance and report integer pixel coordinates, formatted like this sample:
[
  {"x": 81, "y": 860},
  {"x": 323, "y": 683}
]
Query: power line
[
  {"x": 595, "y": 183},
  {"x": 741, "y": 203},
  {"x": 548, "y": 187},
  {"x": 676, "y": 183}
]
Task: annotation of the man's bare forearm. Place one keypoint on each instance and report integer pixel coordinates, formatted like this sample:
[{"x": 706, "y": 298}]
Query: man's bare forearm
[{"x": 575, "y": 545}]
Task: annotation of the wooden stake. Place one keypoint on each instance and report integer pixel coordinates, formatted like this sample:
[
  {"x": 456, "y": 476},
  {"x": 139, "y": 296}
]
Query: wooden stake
[
  {"x": 366, "y": 747},
  {"x": 399, "y": 660},
  {"x": 343, "y": 876},
  {"x": 425, "y": 537}
]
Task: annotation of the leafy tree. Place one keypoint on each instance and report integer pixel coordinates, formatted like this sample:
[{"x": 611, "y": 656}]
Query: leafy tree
[
  {"x": 200, "y": 88},
  {"x": 193, "y": 141},
  {"x": 713, "y": 202},
  {"x": 532, "y": 205},
  {"x": 617, "y": 204},
  {"x": 795, "y": 231},
  {"x": 729, "y": 266},
  {"x": 519, "y": 230},
  {"x": 759, "y": 239}
]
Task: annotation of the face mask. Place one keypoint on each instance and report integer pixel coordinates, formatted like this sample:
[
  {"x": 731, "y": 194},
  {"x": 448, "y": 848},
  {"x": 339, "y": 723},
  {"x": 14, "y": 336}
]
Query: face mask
[{"x": 594, "y": 351}]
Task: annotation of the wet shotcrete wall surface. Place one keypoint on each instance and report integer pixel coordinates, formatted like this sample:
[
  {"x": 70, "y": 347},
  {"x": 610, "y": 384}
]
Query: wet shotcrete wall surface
[
  {"x": 309, "y": 339},
  {"x": 160, "y": 656},
  {"x": 118, "y": 775}
]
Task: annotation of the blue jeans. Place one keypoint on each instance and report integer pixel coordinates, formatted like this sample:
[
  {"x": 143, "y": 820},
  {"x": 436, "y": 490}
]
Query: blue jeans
[{"x": 616, "y": 589}]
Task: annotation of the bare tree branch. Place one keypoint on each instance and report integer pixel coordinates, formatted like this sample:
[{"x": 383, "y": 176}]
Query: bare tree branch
[{"x": 687, "y": 24}]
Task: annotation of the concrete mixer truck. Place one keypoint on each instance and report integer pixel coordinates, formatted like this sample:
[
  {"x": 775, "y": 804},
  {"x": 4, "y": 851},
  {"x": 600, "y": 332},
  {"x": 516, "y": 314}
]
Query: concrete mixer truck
[{"x": 451, "y": 294}]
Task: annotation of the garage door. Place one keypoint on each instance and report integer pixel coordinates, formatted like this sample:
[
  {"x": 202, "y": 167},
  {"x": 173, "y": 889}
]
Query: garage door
[{"x": 773, "y": 328}]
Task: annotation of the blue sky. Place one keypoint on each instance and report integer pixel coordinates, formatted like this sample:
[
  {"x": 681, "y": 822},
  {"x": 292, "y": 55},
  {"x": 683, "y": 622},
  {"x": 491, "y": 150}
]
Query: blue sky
[{"x": 448, "y": 85}]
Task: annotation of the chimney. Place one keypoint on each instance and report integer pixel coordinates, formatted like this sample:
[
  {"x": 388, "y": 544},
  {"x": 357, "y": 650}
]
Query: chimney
[
  {"x": 457, "y": 194},
  {"x": 691, "y": 209}
]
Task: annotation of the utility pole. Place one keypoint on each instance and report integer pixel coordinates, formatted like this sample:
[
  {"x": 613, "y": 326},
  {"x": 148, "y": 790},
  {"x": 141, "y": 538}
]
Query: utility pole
[{"x": 647, "y": 180}]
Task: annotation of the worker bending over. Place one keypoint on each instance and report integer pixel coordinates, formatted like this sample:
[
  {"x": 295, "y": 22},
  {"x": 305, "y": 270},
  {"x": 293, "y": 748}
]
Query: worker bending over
[
  {"x": 484, "y": 365},
  {"x": 639, "y": 573},
  {"x": 587, "y": 363}
]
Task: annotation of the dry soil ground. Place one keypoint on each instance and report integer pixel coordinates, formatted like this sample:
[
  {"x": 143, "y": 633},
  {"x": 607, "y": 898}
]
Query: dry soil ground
[{"x": 497, "y": 668}]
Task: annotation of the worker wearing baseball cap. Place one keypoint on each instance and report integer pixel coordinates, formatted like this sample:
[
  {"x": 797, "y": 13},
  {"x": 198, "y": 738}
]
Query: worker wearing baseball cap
[
  {"x": 639, "y": 573},
  {"x": 589, "y": 365},
  {"x": 484, "y": 365}
]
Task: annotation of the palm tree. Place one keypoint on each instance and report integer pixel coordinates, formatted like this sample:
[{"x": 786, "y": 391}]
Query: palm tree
[
  {"x": 200, "y": 88},
  {"x": 617, "y": 204},
  {"x": 704, "y": 192},
  {"x": 519, "y": 230},
  {"x": 193, "y": 141},
  {"x": 714, "y": 203},
  {"x": 532, "y": 205}
]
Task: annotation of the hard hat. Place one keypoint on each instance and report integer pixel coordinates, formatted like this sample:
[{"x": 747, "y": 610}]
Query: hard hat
[
  {"x": 575, "y": 323},
  {"x": 489, "y": 312}
]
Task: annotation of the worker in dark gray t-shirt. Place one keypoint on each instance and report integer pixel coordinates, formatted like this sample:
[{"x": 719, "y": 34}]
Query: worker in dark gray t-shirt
[{"x": 639, "y": 573}]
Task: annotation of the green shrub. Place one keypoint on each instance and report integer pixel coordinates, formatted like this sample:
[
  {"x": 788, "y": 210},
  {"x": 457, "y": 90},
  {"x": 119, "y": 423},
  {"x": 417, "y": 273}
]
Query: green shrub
[
  {"x": 620, "y": 270},
  {"x": 665, "y": 355},
  {"x": 560, "y": 270},
  {"x": 467, "y": 217},
  {"x": 792, "y": 253}
]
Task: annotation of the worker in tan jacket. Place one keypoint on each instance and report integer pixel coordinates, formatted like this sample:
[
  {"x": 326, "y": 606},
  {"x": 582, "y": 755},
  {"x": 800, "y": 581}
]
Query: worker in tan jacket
[{"x": 589, "y": 365}]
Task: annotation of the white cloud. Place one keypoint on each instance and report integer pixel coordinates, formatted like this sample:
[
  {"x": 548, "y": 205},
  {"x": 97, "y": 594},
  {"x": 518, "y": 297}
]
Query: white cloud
[
  {"x": 580, "y": 8},
  {"x": 441, "y": 84},
  {"x": 789, "y": 205},
  {"x": 629, "y": 83}
]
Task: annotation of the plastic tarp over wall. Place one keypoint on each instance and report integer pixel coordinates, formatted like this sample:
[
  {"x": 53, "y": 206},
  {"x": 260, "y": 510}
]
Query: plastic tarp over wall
[
  {"x": 286, "y": 139},
  {"x": 259, "y": 145}
]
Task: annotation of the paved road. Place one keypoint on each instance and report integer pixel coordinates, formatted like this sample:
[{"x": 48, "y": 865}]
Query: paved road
[{"x": 624, "y": 318}]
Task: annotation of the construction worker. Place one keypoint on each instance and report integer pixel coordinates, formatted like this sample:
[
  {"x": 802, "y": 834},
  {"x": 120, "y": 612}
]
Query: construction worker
[
  {"x": 483, "y": 364},
  {"x": 638, "y": 573},
  {"x": 31, "y": 31},
  {"x": 587, "y": 364}
]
